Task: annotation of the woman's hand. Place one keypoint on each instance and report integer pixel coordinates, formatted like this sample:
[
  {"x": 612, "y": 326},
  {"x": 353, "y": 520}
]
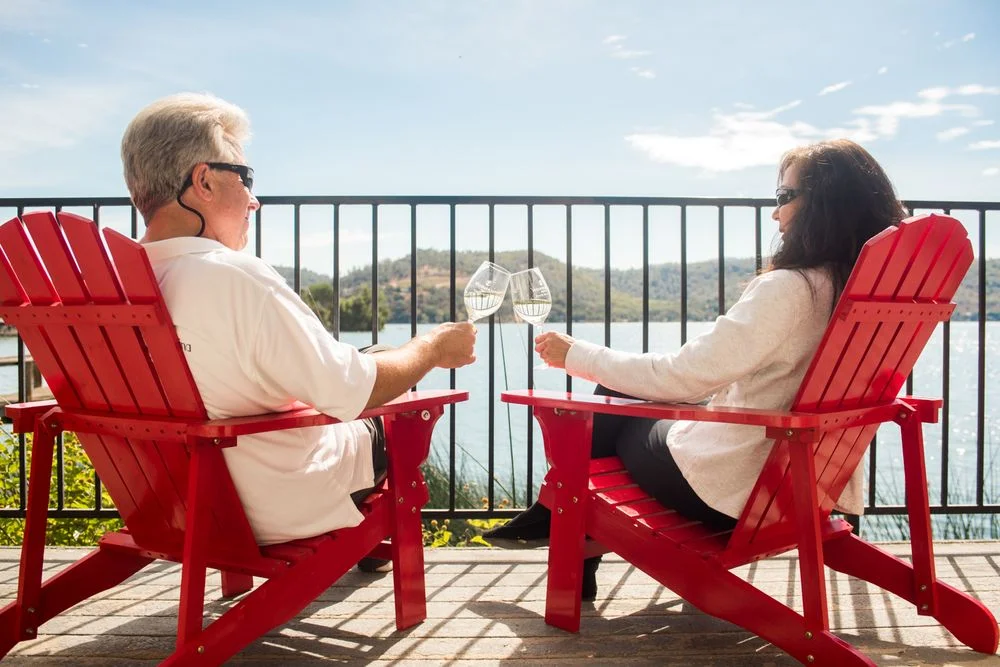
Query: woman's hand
[{"x": 552, "y": 347}]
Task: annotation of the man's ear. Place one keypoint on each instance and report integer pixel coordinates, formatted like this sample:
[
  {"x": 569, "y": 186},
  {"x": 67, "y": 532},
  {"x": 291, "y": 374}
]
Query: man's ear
[{"x": 201, "y": 181}]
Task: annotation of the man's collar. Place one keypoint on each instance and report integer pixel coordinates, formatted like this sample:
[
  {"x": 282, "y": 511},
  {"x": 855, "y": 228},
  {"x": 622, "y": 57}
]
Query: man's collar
[{"x": 180, "y": 245}]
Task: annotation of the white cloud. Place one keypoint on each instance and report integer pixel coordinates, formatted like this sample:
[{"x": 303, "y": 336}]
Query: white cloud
[
  {"x": 643, "y": 72},
  {"x": 883, "y": 70},
  {"x": 968, "y": 37},
  {"x": 617, "y": 51},
  {"x": 941, "y": 92},
  {"x": 983, "y": 123},
  {"x": 977, "y": 89},
  {"x": 746, "y": 138},
  {"x": 741, "y": 140},
  {"x": 952, "y": 133},
  {"x": 743, "y": 106},
  {"x": 31, "y": 15},
  {"x": 887, "y": 116},
  {"x": 82, "y": 45},
  {"x": 991, "y": 171},
  {"x": 835, "y": 87},
  {"x": 933, "y": 94},
  {"x": 36, "y": 120},
  {"x": 29, "y": 86}
]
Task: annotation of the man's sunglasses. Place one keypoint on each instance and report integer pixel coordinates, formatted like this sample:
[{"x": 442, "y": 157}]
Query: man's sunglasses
[
  {"x": 245, "y": 172},
  {"x": 784, "y": 195}
]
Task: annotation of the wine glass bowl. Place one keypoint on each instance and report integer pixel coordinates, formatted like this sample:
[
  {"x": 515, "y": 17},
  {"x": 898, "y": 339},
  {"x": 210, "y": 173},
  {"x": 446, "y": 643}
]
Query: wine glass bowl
[
  {"x": 485, "y": 290},
  {"x": 531, "y": 296}
]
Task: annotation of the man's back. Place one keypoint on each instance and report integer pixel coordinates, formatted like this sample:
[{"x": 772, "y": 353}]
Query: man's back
[{"x": 254, "y": 347}]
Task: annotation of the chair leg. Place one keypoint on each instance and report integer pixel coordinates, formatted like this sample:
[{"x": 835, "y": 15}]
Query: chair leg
[
  {"x": 409, "y": 591},
  {"x": 964, "y": 616},
  {"x": 97, "y": 571},
  {"x": 279, "y": 599},
  {"x": 234, "y": 583},
  {"x": 717, "y": 591},
  {"x": 29, "y": 578}
]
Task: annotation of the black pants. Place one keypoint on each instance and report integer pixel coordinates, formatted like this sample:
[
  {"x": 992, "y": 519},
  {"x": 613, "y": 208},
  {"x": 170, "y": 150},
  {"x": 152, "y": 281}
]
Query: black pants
[
  {"x": 641, "y": 444},
  {"x": 380, "y": 463}
]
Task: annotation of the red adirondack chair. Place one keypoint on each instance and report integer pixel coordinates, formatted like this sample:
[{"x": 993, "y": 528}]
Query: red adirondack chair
[
  {"x": 92, "y": 316},
  {"x": 900, "y": 289}
]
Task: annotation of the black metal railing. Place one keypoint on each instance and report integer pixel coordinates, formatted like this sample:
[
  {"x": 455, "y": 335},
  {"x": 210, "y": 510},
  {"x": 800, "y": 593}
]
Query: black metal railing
[{"x": 686, "y": 217}]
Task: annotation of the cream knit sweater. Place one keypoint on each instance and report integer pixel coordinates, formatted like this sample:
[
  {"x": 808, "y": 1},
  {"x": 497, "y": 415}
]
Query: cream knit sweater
[{"x": 754, "y": 357}]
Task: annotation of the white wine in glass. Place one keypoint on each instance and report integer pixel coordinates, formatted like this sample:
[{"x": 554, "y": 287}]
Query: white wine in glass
[
  {"x": 531, "y": 297},
  {"x": 485, "y": 290}
]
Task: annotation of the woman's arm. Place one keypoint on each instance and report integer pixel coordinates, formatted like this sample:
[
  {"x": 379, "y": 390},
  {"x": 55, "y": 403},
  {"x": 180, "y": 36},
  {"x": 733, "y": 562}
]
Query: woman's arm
[{"x": 751, "y": 334}]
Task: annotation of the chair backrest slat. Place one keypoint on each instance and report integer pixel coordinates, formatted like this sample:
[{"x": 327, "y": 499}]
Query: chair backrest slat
[
  {"x": 861, "y": 363},
  {"x": 119, "y": 369},
  {"x": 55, "y": 351},
  {"x": 102, "y": 281},
  {"x": 166, "y": 357}
]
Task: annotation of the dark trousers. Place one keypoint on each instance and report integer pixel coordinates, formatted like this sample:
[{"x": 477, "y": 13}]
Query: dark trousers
[
  {"x": 380, "y": 462},
  {"x": 641, "y": 444}
]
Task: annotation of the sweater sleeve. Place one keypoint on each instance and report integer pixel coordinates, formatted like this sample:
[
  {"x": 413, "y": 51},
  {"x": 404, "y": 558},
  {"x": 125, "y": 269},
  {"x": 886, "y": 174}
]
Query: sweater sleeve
[{"x": 741, "y": 341}]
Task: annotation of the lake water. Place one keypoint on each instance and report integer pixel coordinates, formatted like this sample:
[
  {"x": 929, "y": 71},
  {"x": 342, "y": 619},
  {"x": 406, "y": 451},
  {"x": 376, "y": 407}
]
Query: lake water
[{"x": 510, "y": 431}]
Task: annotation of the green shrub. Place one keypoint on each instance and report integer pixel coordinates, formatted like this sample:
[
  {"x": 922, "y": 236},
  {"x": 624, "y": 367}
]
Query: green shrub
[{"x": 78, "y": 481}]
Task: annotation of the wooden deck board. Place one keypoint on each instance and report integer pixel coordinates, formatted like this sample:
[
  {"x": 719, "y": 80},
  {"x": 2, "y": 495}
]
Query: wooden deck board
[{"x": 486, "y": 607}]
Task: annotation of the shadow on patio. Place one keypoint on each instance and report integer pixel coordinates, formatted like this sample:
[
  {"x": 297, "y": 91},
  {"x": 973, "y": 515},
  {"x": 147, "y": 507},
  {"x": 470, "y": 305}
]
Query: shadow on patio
[{"x": 487, "y": 606}]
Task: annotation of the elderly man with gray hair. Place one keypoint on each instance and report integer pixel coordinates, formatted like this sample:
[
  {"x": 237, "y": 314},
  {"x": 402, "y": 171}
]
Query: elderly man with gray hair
[{"x": 252, "y": 344}]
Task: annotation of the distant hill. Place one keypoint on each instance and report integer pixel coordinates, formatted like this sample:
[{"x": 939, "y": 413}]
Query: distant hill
[{"x": 434, "y": 266}]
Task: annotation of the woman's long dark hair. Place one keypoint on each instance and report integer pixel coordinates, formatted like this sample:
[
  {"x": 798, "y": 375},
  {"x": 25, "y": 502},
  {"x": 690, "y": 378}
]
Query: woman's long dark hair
[{"x": 847, "y": 200}]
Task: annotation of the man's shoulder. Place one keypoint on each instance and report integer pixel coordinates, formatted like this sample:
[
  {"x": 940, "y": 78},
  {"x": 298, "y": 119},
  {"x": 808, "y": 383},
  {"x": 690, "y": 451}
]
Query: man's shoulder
[{"x": 227, "y": 267}]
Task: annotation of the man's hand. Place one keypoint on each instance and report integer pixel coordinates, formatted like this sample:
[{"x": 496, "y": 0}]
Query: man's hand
[
  {"x": 447, "y": 345},
  {"x": 553, "y": 347},
  {"x": 453, "y": 344}
]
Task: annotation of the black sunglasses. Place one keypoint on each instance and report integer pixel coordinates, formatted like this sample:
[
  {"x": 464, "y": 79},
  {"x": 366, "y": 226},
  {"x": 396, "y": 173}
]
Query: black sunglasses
[
  {"x": 784, "y": 195},
  {"x": 245, "y": 172}
]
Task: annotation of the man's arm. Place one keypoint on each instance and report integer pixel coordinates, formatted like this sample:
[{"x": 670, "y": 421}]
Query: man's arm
[{"x": 449, "y": 345}]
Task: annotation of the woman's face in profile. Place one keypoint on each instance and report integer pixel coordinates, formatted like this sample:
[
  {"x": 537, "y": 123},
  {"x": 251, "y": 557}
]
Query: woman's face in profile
[{"x": 789, "y": 197}]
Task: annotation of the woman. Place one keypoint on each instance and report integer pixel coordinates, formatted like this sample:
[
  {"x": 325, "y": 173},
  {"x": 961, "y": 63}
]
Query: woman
[{"x": 831, "y": 198}]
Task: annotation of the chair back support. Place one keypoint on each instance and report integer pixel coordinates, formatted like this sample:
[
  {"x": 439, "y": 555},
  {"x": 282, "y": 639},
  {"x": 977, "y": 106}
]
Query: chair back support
[
  {"x": 92, "y": 316},
  {"x": 870, "y": 346}
]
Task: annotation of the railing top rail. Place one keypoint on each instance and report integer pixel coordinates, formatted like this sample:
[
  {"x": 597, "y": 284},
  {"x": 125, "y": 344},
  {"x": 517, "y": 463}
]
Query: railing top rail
[{"x": 500, "y": 200}]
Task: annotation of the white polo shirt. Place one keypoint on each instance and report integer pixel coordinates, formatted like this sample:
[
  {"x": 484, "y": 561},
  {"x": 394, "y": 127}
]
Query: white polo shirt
[{"x": 254, "y": 347}]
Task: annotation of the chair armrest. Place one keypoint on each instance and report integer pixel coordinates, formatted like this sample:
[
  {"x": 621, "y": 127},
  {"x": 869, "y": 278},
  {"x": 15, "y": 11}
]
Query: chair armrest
[
  {"x": 23, "y": 415},
  {"x": 638, "y": 408},
  {"x": 801, "y": 427},
  {"x": 411, "y": 401}
]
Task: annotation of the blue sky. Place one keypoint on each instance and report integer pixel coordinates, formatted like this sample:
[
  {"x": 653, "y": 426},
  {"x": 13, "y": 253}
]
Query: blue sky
[{"x": 516, "y": 97}]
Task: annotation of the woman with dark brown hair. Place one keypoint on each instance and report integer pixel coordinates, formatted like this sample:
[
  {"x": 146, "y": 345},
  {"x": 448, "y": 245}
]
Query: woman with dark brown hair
[{"x": 831, "y": 198}]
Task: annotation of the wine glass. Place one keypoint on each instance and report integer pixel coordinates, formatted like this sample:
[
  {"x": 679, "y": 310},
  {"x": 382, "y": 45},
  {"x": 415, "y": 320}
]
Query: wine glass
[
  {"x": 532, "y": 298},
  {"x": 485, "y": 290}
]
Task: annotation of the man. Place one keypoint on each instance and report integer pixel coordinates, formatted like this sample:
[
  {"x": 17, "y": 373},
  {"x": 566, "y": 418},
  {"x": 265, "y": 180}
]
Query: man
[{"x": 252, "y": 344}]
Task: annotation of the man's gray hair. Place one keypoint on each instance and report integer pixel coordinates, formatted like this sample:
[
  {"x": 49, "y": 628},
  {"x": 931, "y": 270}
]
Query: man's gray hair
[{"x": 169, "y": 137}]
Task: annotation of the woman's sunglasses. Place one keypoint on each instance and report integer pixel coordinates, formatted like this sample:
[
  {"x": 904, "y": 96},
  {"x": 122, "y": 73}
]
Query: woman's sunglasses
[{"x": 784, "y": 195}]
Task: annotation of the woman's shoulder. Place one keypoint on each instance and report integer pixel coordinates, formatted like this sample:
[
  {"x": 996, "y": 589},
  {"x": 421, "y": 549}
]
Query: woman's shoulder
[
  {"x": 812, "y": 279},
  {"x": 798, "y": 288}
]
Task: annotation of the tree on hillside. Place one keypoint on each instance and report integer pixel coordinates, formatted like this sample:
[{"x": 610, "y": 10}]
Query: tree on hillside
[{"x": 355, "y": 309}]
